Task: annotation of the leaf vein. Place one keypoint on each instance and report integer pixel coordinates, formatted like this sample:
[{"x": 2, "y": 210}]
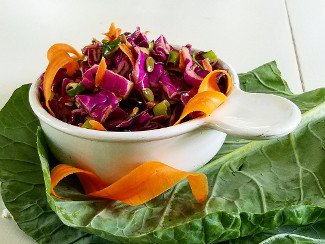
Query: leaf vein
[
  {"x": 267, "y": 86},
  {"x": 293, "y": 145},
  {"x": 260, "y": 188},
  {"x": 165, "y": 212}
]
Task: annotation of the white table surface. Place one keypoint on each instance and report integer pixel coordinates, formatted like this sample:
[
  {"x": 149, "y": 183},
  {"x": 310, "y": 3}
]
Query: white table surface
[{"x": 245, "y": 33}]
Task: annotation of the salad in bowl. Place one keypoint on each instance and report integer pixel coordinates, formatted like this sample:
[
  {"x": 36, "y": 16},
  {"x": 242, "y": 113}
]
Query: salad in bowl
[{"x": 128, "y": 83}]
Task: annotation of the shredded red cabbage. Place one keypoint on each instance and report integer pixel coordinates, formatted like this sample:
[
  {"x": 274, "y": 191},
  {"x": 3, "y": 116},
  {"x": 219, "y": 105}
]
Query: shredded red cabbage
[{"x": 128, "y": 93}]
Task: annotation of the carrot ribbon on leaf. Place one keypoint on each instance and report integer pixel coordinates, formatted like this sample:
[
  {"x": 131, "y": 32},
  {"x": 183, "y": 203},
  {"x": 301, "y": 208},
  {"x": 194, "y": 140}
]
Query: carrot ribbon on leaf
[
  {"x": 142, "y": 184},
  {"x": 58, "y": 56},
  {"x": 90, "y": 181}
]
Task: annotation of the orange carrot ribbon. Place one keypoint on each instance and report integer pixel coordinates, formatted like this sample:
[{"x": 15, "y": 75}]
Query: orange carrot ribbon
[
  {"x": 125, "y": 49},
  {"x": 209, "y": 82},
  {"x": 100, "y": 72},
  {"x": 96, "y": 125},
  {"x": 206, "y": 65},
  {"x": 61, "y": 48},
  {"x": 181, "y": 60},
  {"x": 58, "y": 56},
  {"x": 205, "y": 102},
  {"x": 142, "y": 184},
  {"x": 208, "y": 98},
  {"x": 113, "y": 32}
]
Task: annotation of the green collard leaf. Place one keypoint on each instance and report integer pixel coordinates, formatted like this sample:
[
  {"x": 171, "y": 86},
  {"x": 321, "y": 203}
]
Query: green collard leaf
[
  {"x": 308, "y": 234},
  {"x": 258, "y": 80},
  {"x": 22, "y": 187},
  {"x": 255, "y": 187}
]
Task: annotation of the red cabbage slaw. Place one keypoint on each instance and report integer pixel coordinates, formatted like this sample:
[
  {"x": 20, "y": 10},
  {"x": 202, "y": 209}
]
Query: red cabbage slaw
[{"x": 147, "y": 94}]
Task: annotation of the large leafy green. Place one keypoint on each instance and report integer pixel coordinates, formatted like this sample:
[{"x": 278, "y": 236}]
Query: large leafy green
[
  {"x": 312, "y": 233},
  {"x": 257, "y": 187},
  {"x": 254, "y": 188}
]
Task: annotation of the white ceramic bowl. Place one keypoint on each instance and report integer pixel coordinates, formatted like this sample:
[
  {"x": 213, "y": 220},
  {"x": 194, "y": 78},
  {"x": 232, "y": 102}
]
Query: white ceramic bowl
[{"x": 111, "y": 155}]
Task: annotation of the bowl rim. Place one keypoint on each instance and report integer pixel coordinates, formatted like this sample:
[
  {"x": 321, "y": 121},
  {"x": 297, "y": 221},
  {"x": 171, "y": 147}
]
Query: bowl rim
[{"x": 148, "y": 135}]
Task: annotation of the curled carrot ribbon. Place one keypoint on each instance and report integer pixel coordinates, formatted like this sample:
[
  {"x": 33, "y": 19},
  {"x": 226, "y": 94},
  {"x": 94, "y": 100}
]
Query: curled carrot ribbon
[
  {"x": 58, "y": 56},
  {"x": 113, "y": 33},
  {"x": 142, "y": 184},
  {"x": 208, "y": 98},
  {"x": 125, "y": 49}
]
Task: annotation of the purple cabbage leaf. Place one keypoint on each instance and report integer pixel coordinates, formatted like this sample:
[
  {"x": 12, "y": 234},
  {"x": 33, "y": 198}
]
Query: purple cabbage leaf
[{"x": 98, "y": 106}]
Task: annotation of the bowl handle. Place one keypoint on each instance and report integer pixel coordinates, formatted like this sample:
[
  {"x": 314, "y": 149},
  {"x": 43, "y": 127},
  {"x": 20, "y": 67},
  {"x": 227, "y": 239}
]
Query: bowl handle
[{"x": 254, "y": 115}]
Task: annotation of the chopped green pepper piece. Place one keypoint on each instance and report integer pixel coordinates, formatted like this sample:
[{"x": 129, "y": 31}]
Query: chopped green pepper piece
[
  {"x": 75, "y": 88},
  {"x": 210, "y": 55},
  {"x": 148, "y": 95},
  {"x": 109, "y": 48},
  {"x": 194, "y": 59},
  {"x": 173, "y": 57},
  {"x": 151, "y": 45},
  {"x": 162, "y": 108},
  {"x": 87, "y": 124}
]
